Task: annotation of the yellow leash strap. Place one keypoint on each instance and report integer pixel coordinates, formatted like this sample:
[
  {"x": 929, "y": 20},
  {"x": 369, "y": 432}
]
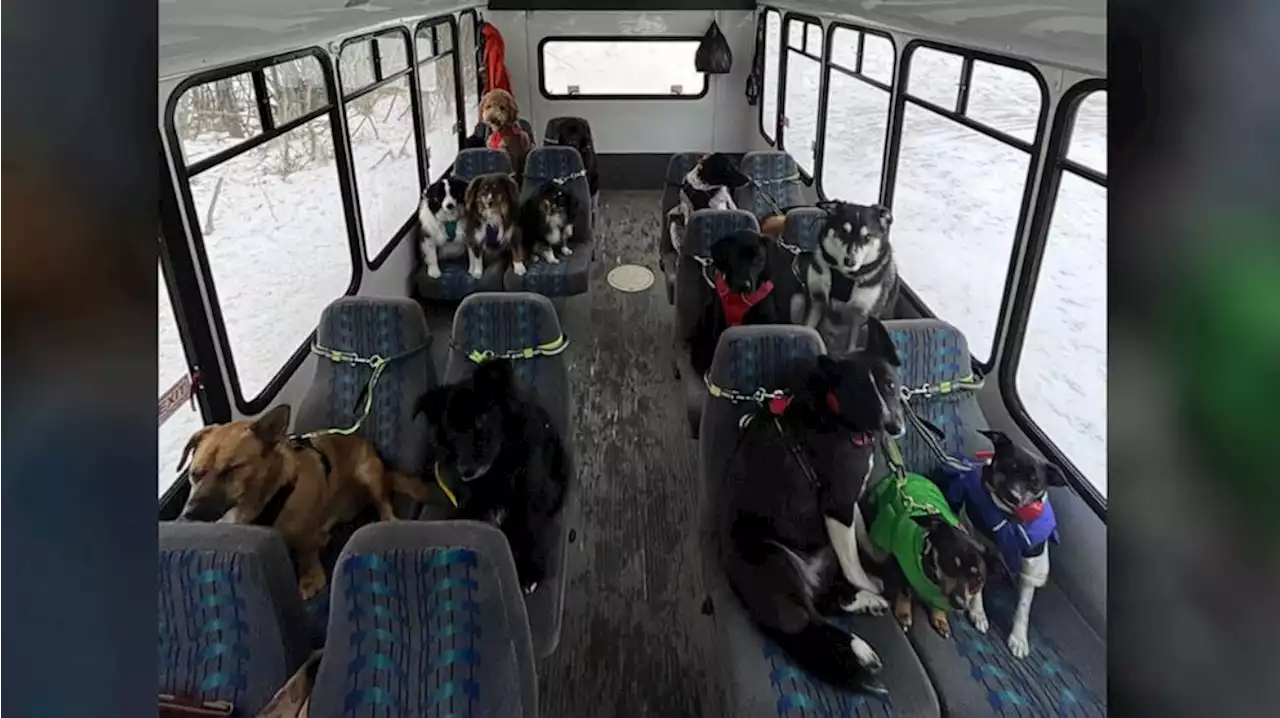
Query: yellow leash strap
[
  {"x": 440, "y": 481},
  {"x": 548, "y": 349},
  {"x": 376, "y": 362}
]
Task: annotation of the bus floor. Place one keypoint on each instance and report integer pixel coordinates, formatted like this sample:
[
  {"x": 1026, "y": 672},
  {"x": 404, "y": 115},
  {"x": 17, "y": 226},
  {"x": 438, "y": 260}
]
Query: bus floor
[{"x": 634, "y": 641}]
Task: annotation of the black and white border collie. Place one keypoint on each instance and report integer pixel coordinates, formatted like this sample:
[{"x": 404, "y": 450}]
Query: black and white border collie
[
  {"x": 546, "y": 226},
  {"x": 709, "y": 185},
  {"x": 439, "y": 214}
]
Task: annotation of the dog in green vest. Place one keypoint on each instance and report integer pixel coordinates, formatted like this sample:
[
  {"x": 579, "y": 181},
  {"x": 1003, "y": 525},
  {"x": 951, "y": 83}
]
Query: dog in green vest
[{"x": 925, "y": 550}]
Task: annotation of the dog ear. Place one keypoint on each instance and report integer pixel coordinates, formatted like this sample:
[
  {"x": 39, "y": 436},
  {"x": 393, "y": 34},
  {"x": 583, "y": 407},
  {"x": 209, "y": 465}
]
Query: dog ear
[
  {"x": 1053, "y": 475},
  {"x": 886, "y": 217},
  {"x": 720, "y": 251},
  {"x": 932, "y": 522},
  {"x": 272, "y": 426},
  {"x": 879, "y": 343},
  {"x": 998, "y": 438},
  {"x": 469, "y": 197},
  {"x": 192, "y": 444}
]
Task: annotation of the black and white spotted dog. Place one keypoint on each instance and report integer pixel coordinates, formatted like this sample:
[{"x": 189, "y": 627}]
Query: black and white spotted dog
[
  {"x": 546, "y": 226},
  {"x": 852, "y": 276},
  {"x": 439, "y": 214},
  {"x": 709, "y": 185}
]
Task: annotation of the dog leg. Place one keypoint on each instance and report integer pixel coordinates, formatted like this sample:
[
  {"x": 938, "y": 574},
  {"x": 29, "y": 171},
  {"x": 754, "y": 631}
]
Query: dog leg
[
  {"x": 549, "y": 255},
  {"x": 372, "y": 474},
  {"x": 845, "y": 542},
  {"x": 938, "y": 619},
  {"x": 1034, "y": 574},
  {"x": 864, "y": 539},
  {"x": 517, "y": 260},
  {"x": 815, "y": 313},
  {"x": 475, "y": 265},
  {"x": 978, "y": 614},
  {"x": 311, "y": 578},
  {"x": 902, "y": 609},
  {"x": 432, "y": 259}
]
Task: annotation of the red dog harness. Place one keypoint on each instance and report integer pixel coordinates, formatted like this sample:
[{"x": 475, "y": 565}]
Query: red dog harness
[
  {"x": 778, "y": 406},
  {"x": 736, "y": 305},
  {"x": 496, "y": 137}
]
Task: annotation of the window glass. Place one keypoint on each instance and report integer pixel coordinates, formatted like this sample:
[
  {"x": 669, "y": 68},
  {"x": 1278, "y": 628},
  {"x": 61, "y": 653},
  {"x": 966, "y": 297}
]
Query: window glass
[
  {"x": 800, "y": 108},
  {"x": 470, "y": 73},
  {"x": 857, "y": 119},
  {"x": 934, "y": 76},
  {"x": 355, "y": 66},
  {"x": 1062, "y": 370},
  {"x": 769, "y": 91},
  {"x": 439, "y": 113},
  {"x": 385, "y": 159},
  {"x": 216, "y": 116},
  {"x": 1005, "y": 99},
  {"x": 1088, "y": 144},
  {"x": 393, "y": 53},
  {"x": 295, "y": 88},
  {"x": 582, "y": 68},
  {"x": 877, "y": 58},
  {"x": 177, "y": 420}
]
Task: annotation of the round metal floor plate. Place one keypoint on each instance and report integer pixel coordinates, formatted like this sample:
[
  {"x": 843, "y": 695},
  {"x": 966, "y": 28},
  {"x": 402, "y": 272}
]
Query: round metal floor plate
[{"x": 630, "y": 278}]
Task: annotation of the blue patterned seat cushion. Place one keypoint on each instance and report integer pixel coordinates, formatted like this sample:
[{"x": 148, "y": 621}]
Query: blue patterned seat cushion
[
  {"x": 455, "y": 283},
  {"x": 976, "y": 674},
  {"x": 706, "y": 226},
  {"x": 231, "y": 625},
  {"x": 425, "y": 621},
  {"x": 480, "y": 161},
  {"x": 779, "y": 185}
]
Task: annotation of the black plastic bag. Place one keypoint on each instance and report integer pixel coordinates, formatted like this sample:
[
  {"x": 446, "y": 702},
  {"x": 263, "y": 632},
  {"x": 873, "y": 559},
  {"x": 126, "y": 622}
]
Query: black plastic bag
[{"x": 713, "y": 56}]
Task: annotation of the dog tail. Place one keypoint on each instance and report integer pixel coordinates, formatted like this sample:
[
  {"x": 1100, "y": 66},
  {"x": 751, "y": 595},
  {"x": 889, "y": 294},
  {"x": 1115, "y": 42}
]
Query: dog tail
[{"x": 410, "y": 486}]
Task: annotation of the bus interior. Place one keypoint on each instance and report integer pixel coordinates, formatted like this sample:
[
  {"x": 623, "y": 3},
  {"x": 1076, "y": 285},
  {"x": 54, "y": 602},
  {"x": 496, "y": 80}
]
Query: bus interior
[{"x": 297, "y": 139}]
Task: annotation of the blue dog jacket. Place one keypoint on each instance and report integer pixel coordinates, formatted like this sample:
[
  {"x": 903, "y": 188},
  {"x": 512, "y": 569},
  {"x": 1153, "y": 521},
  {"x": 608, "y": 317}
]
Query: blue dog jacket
[{"x": 1014, "y": 539}]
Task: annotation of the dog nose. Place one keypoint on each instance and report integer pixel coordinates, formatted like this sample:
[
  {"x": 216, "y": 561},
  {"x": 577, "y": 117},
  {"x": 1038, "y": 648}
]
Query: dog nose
[
  {"x": 895, "y": 429},
  {"x": 203, "y": 511}
]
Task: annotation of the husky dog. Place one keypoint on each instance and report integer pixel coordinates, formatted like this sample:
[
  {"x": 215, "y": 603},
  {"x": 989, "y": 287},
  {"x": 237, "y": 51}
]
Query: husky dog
[
  {"x": 709, "y": 185},
  {"x": 546, "y": 226},
  {"x": 1007, "y": 501},
  {"x": 787, "y": 527},
  {"x": 489, "y": 215},
  {"x": 852, "y": 277},
  {"x": 439, "y": 211}
]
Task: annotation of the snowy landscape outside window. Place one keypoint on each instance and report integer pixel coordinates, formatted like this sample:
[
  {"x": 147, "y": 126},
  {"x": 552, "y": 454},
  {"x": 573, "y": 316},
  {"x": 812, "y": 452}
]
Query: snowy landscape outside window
[
  {"x": 858, "y": 91},
  {"x": 800, "y": 98},
  {"x": 438, "y": 90},
  {"x": 611, "y": 68},
  {"x": 769, "y": 89}
]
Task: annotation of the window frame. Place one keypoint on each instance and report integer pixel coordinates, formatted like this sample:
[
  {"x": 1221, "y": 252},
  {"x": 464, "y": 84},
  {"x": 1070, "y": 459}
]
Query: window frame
[
  {"x": 415, "y": 66},
  {"x": 381, "y": 80},
  {"x": 825, "y": 101},
  {"x": 777, "y": 110},
  {"x": 889, "y": 173},
  {"x": 784, "y": 55},
  {"x": 1056, "y": 164},
  {"x": 616, "y": 97},
  {"x": 183, "y": 173}
]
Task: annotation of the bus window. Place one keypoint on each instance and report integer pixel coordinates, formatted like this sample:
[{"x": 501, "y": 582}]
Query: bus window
[
  {"x": 272, "y": 224},
  {"x": 214, "y": 117},
  {"x": 573, "y": 67},
  {"x": 1062, "y": 370},
  {"x": 178, "y": 419},
  {"x": 958, "y": 198},
  {"x": 1004, "y": 98},
  {"x": 438, "y": 90},
  {"x": 857, "y": 115},
  {"x": 470, "y": 73},
  {"x": 769, "y": 89},
  {"x": 800, "y": 88},
  {"x": 384, "y": 150}
]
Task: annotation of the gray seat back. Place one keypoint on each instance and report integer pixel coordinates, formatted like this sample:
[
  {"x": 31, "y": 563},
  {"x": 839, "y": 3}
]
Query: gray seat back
[
  {"x": 231, "y": 620},
  {"x": 480, "y": 161},
  {"x": 777, "y": 184},
  {"x": 391, "y": 328},
  {"x": 551, "y": 134},
  {"x": 426, "y": 620},
  {"x": 680, "y": 164},
  {"x": 558, "y": 164},
  {"x": 789, "y": 258}
]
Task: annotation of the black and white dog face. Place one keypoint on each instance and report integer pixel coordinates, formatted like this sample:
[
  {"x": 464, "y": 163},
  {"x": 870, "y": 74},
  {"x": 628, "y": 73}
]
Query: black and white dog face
[
  {"x": 717, "y": 170},
  {"x": 443, "y": 199},
  {"x": 556, "y": 205},
  {"x": 1015, "y": 478},
  {"x": 855, "y": 235},
  {"x": 865, "y": 386}
]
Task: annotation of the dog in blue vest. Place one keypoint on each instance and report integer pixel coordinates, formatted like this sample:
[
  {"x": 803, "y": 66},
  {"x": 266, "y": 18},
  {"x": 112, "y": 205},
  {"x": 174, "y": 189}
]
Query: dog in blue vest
[
  {"x": 1007, "y": 501},
  {"x": 439, "y": 211}
]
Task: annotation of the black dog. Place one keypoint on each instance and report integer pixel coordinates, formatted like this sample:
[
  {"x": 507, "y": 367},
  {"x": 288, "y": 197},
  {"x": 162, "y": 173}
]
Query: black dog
[
  {"x": 499, "y": 460},
  {"x": 574, "y": 132},
  {"x": 787, "y": 524},
  {"x": 546, "y": 225},
  {"x": 743, "y": 294}
]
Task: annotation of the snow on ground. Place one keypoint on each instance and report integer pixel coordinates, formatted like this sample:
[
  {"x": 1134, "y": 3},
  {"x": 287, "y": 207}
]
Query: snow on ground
[{"x": 279, "y": 253}]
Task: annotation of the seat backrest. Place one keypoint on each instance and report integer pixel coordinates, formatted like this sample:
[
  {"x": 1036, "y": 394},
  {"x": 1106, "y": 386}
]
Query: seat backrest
[
  {"x": 510, "y": 322},
  {"x": 788, "y": 259},
  {"x": 480, "y": 161},
  {"x": 231, "y": 619},
  {"x": 392, "y": 328},
  {"x": 747, "y": 358},
  {"x": 556, "y": 163},
  {"x": 680, "y": 164},
  {"x": 692, "y": 291},
  {"x": 777, "y": 183},
  {"x": 933, "y": 351},
  {"x": 427, "y": 619}
]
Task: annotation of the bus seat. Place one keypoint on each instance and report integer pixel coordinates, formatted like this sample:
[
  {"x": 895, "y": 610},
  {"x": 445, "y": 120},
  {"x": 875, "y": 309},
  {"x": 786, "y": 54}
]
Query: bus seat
[
  {"x": 975, "y": 674},
  {"x": 569, "y": 276},
  {"x": 551, "y": 137},
  {"x": 231, "y": 619},
  {"x": 787, "y": 259},
  {"x": 777, "y": 184},
  {"x": 480, "y": 161},
  {"x": 508, "y": 323},
  {"x": 693, "y": 291},
  {"x": 760, "y": 679},
  {"x": 680, "y": 164},
  {"x": 455, "y": 282},
  {"x": 426, "y": 620},
  {"x": 482, "y": 130}
]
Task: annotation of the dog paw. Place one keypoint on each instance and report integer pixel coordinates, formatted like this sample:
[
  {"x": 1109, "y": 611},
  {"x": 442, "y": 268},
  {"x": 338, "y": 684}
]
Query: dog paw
[
  {"x": 433, "y": 272},
  {"x": 866, "y": 656},
  {"x": 530, "y": 588},
  {"x": 475, "y": 273},
  {"x": 565, "y": 250},
  {"x": 867, "y": 602},
  {"x": 938, "y": 619},
  {"x": 311, "y": 584},
  {"x": 902, "y": 613},
  {"x": 979, "y": 620},
  {"x": 519, "y": 269},
  {"x": 1019, "y": 646},
  {"x": 552, "y": 258}
]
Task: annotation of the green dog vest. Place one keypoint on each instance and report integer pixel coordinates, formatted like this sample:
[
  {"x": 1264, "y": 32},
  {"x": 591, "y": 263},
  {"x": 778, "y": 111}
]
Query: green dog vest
[{"x": 897, "y": 502}]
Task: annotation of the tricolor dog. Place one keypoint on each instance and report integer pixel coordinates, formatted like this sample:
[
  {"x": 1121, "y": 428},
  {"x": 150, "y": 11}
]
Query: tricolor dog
[
  {"x": 489, "y": 215},
  {"x": 709, "y": 185}
]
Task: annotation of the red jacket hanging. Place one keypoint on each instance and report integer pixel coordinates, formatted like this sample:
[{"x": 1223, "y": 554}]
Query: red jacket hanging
[{"x": 495, "y": 51}]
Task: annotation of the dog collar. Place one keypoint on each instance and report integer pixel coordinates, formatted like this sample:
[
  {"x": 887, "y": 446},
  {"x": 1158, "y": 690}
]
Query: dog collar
[
  {"x": 271, "y": 511},
  {"x": 736, "y": 305},
  {"x": 451, "y": 229},
  {"x": 447, "y": 492}
]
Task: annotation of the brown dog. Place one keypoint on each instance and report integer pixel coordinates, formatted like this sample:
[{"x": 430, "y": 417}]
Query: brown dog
[
  {"x": 772, "y": 226},
  {"x": 489, "y": 217},
  {"x": 498, "y": 110},
  {"x": 252, "y": 472}
]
